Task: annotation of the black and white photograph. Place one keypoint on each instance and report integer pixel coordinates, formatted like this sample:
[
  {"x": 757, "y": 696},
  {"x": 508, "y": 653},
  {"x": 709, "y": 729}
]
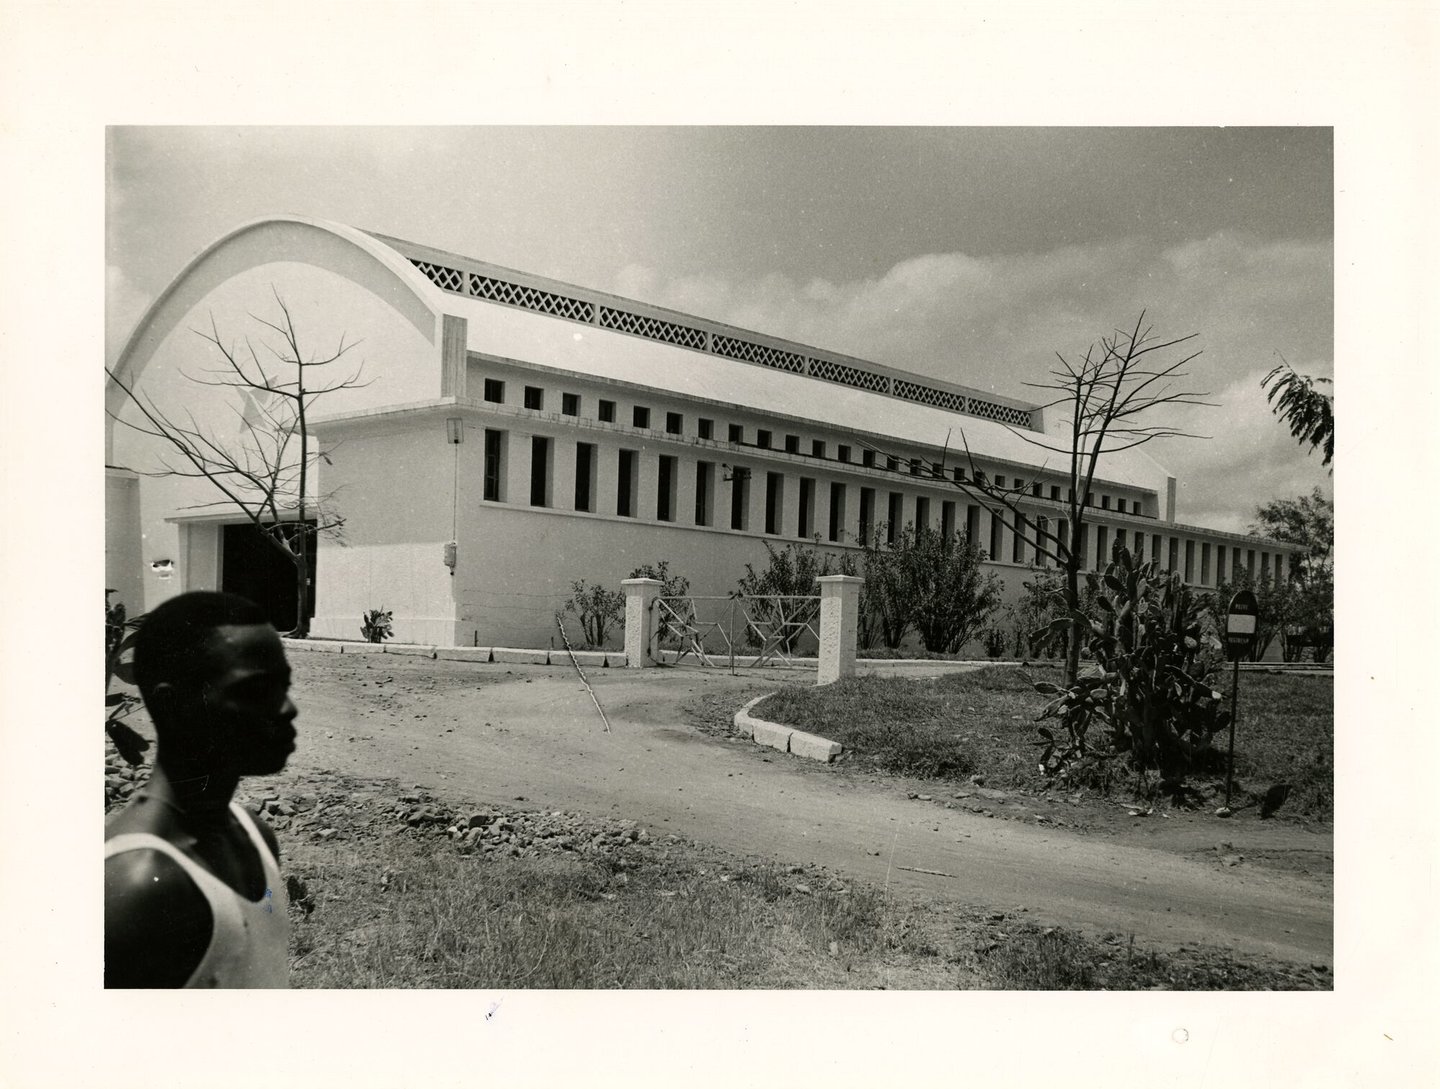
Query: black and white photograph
[
  {"x": 599, "y": 583},
  {"x": 734, "y": 557}
]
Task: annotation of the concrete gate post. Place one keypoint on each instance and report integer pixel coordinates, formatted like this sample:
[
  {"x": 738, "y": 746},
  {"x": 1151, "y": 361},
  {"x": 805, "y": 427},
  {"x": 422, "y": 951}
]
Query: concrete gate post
[
  {"x": 640, "y": 627},
  {"x": 839, "y": 623}
]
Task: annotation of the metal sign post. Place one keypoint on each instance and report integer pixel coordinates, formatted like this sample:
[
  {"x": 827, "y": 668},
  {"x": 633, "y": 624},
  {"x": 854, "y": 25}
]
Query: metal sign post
[{"x": 1241, "y": 620}]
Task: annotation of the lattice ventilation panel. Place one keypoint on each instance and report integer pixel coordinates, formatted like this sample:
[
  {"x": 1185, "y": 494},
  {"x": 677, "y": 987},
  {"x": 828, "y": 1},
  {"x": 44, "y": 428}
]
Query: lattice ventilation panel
[
  {"x": 766, "y": 356},
  {"x": 652, "y": 328},
  {"x": 929, "y": 395},
  {"x": 448, "y": 279},
  {"x": 847, "y": 376},
  {"x": 547, "y": 302},
  {"x": 1016, "y": 417}
]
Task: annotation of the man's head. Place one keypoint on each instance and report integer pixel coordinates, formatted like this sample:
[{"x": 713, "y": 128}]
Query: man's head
[{"x": 214, "y": 678}]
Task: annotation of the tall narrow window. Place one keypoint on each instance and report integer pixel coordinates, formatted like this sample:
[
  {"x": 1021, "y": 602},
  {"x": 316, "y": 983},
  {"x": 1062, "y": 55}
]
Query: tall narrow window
[
  {"x": 494, "y": 463},
  {"x": 1264, "y": 567},
  {"x": 665, "y": 490},
  {"x": 837, "y": 510},
  {"x": 539, "y": 471},
  {"x": 1219, "y": 564},
  {"x": 740, "y": 498},
  {"x": 1043, "y": 542},
  {"x": 627, "y": 483},
  {"x": 807, "y": 508},
  {"x": 1017, "y": 542},
  {"x": 972, "y": 524},
  {"x": 867, "y": 514},
  {"x": 1155, "y": 548},
  {"x": 1175, "y": 554},
  {"x": 704, "y": 493},
  {"x": 1205, "y": 564},
  {"x": 997, "y": 529},
  {"x": 1139, "y": 547},
  {"x": 1102, "y": 549},
  {"x": 1120, "y": 536},
  {"x": 947, "y": 520},
  {"x": 922, "y": 513},
  {"x": 1062, "y": 536},
  {"x": 1189, "y": 561},
  {"x": 774, "y": 501},
  {"x": 895, "y": 513},
  {"x": 585, "y": 476},
  {"x": 1250, "y": 563},
  {"x": 534, "y": 397}
]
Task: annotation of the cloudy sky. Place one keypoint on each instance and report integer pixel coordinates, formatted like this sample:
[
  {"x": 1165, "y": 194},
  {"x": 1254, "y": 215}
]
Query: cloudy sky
[{"x": 970, "y": 254}]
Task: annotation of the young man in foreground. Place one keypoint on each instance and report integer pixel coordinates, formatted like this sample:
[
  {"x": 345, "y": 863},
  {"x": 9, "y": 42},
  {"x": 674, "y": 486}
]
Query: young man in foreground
[{"x": 193, "y": 895}]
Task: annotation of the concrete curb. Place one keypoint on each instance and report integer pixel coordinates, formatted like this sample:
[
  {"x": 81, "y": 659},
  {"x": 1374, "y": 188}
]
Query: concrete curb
[{"x": 785, "y": 738}]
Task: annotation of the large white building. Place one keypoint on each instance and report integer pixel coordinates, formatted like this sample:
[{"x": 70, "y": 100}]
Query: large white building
[{"x": 595, "y": 433}]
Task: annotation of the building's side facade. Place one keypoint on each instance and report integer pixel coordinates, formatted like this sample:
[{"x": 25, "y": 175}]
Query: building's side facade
[{"x": 554, "y": 434}]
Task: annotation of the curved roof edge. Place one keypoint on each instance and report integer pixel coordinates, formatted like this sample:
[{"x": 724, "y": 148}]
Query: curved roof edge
[{"x": 391, "y": 259}]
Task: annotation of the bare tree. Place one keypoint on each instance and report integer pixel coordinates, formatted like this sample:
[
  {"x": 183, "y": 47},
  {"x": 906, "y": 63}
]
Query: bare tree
[
  {"x": 264, "y": 469},
  {"x": 1109, "y": 393}
]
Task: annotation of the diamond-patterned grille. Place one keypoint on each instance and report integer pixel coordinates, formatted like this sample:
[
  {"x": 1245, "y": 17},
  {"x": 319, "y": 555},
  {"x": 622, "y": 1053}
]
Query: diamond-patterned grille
[
  {"x": 750, "y": 352},
  {"x": 929, "y": 395},
  {"x": 447, "y": 278},
  {"x": 651, "y": 328},
  {"x": 1017, "y": 417},
  {"x": 846, "y": 376},
  {"x": 487, "y": 287}
]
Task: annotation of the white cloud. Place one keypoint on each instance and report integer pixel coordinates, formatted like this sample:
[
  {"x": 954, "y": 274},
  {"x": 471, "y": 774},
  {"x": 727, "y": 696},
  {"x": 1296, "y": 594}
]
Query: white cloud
[{"x": 996, "y": 322}]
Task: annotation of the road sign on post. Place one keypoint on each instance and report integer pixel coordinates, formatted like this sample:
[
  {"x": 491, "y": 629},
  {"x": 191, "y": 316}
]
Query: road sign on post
[{"x": 1241, "y": 620}]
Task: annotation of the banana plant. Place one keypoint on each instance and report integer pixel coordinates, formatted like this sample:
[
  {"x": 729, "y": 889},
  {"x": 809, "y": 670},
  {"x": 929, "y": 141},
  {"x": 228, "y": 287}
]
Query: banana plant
[
  {"x": 1149, "y": 687},
  {"x": 120, "y": 634}
]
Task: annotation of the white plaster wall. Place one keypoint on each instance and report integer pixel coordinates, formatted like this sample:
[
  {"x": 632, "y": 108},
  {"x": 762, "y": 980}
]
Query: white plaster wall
[
  {"x": 122, "y": 541},
  {"x": 394, "y": 488},
  {"x": 333, "y": 289}
]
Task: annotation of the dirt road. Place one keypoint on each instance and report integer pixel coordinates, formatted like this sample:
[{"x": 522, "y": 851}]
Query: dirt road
[{"x": 506, "y": 732}]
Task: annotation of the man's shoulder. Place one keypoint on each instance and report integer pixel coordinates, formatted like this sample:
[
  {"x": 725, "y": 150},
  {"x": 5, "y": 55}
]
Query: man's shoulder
[{"x": 157, "y": 921}]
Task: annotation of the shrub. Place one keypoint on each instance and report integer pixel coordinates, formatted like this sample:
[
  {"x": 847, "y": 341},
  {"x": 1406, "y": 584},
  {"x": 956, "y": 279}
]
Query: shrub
[
  {"x": 375, "y": 626},
  {"x": 120, "y": 633},
  {"x": 1150, "y": 686},
  {"x": 932, "y": 583},
  {"x": 596, "y": 608},
  {"x": 791, "y": 573},
  {"x": 994, "y": 640}
]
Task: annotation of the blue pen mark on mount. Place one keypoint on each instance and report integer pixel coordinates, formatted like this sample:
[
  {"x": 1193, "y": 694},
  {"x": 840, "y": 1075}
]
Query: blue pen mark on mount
[{"x": 269, "y": 901}]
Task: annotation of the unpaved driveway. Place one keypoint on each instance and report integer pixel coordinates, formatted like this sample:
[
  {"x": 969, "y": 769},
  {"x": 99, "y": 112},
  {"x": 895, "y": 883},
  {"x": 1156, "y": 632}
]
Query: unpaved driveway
[{"x": 498, "y": 732}]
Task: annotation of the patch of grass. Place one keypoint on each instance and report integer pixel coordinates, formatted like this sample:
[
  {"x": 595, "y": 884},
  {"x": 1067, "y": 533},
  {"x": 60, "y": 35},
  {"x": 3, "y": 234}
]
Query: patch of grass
[
  {"x": 402, "y": 914},
  {"x": 983, "y": 722},
  {"x": 1051, "y": 959},
  {"x": 935, "y": 728}
]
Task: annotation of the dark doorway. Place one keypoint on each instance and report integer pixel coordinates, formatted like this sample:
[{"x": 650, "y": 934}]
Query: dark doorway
[{"x": 252, "y": 567}]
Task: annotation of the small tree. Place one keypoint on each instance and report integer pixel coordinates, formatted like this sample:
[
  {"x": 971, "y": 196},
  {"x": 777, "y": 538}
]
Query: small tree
[
  {"x": 597, "y": 609},
  {"x": 264, "y": 471},
  {"x": 933, "y": 583},
  {"x": 120, "y": 634},
  {"x": 1307, "y": 411},
  {"x": 1110, "y": 395},
  {"x": 1151, "y": 689},
  {"x": 790, "y": 573}
]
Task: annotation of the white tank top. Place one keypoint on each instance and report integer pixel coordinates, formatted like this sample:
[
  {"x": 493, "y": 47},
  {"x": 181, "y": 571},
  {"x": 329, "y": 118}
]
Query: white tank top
[{"x": 250, "y": 940}]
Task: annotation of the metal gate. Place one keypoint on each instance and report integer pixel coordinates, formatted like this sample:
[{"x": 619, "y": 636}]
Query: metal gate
[{"x": 765, "y": 628}]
